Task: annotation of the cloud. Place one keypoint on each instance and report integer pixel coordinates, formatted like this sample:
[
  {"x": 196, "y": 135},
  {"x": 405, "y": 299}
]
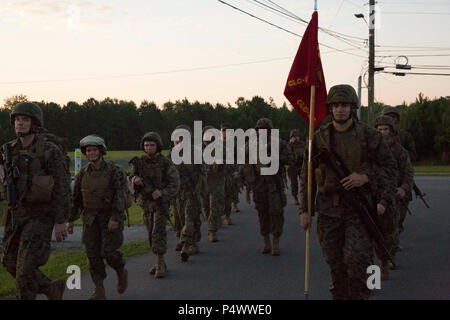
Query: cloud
[{"x": 63, "y": 12}]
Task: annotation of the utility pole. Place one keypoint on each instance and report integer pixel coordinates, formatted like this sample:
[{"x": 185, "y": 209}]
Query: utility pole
[
  {"x": 371, "y": 88},
  {"x": 359, "y": 98}
]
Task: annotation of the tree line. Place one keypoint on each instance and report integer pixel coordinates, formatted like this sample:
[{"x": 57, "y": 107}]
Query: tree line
[{"x": 122, "y": 123}]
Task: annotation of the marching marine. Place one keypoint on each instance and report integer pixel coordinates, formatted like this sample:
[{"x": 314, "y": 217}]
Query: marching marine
[
  {"x": 268, "y": 191},
  {"x": 100, "y": 198},
  {"x": 403, "y": 137},
  {"x": 294, "y": 170},
  {"x": 187, "y": 206},
  {"x": 392, "y": 220},
  {"x": 344, "y": 238},
  {"x": 38, "y": 202},
  {"x": 156, "y": 182}
]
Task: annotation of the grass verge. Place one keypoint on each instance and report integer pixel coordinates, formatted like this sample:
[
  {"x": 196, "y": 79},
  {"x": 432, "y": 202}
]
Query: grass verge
[{"x": 60, "y": 259}]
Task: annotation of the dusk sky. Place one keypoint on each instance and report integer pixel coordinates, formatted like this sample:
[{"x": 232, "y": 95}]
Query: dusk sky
[{"x": 161, "y": 50}]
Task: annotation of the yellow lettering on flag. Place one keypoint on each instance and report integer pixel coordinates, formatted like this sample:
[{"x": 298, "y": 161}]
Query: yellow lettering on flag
[{"x": 296, "y": 82}]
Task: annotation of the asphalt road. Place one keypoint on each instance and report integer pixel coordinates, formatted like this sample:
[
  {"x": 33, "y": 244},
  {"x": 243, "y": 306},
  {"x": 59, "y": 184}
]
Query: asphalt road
[{"x": 234, "y": 268}]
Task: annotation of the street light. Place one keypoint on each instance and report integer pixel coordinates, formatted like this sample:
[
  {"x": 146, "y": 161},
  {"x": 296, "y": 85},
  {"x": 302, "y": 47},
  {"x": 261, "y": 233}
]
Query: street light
[{"x": 360, "y": 15}]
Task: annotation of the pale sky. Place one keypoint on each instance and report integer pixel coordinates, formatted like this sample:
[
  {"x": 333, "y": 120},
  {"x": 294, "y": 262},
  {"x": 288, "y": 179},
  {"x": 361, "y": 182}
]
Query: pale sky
[{"x": 170, "y": 49}]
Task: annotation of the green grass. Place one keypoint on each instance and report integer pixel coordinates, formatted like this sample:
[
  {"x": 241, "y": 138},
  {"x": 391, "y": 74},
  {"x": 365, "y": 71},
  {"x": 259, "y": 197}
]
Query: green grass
[
  {"x": 431, "y": 169},
  {"x": 60, "y": 259},
  {"x": 118, "y": 155},
  {"x": 134, "y": 211}
]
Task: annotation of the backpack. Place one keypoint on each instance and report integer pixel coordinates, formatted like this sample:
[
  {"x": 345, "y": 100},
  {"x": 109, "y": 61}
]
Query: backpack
[{"x": 60, "y": 142}]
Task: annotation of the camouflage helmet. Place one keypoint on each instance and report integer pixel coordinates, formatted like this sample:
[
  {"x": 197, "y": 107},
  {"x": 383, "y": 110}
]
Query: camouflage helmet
[
  {"x": 264, "y": 123},
  {"x": 152, "y": 136},
  {"x": 93, "y": 140},
  {"x": 342, "y": 93},
  {"x": 294, "y": 132},
  {"x": 29, "y": 109},
  {"x": 389, "y": 111},
  {"x": 387, "y": 121}
]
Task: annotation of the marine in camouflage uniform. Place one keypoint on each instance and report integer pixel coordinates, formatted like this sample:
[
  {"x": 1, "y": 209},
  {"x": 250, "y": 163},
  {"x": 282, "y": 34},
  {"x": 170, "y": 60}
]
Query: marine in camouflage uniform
[
  {"x": 268, "y": 192},
  {"x": 156, "y": 182},
  {"x": 187, "y": 206},
  {"x": 43, "y": 201},
  {"x": 231, "y": 188},
  {"x": 99, "y": 196},
  {"x": 344, "y": 239},
  {"x": 213, "y": 202},
  {"x": 405, "y": 139},
  {"x": 298, "y": 147},
  {"x": 389, "y": 222}
]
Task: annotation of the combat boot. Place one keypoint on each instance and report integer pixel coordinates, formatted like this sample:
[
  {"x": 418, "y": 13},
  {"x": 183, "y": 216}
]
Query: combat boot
[
  {"x": 227, "y": 221},
  {"x": 122, "y": 280},
  {"x": 384, "y": 270},
  {"x": 160, "y": 266},
  {"x": 152, "y": 270},
  {"x": 212, "y": 236},
  {"x": 267, "y": 245},
  {"x": 56, "y": 290},
  {"x": 179, "y": 245},
  {"x": 184, "y": 253},
  {"x": 193, "y": 249},
  {"x": 276, "y": 246},
  {"x": 99, "y": 291}
]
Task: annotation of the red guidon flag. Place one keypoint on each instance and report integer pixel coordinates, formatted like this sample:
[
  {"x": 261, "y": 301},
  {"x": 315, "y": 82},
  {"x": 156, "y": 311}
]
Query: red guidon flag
[{"x": 306, "y": 71}]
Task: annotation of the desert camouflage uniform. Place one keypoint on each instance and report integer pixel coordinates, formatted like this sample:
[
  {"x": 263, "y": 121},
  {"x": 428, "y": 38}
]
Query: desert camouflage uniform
[
  {"x": 99, "y": 197},
  {"x": 28, "y": 230},
  {"x": 345, "y": 241}
]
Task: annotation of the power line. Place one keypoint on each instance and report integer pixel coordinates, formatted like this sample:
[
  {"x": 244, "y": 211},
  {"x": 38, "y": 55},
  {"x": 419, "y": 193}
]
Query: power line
[
  {"x": 414, "y": 47},
  {"x": 418, "y": 3},
  {"x": 417, "y": 73},
  {"x": 288, "y": 31},
  {"x": 402, "y": 12},
  {"x": 146, "y": 73},
  {"x": 265, "y": 21},
  {"x": 419, "y": 55},
  {"x": 289, "y": 15}
]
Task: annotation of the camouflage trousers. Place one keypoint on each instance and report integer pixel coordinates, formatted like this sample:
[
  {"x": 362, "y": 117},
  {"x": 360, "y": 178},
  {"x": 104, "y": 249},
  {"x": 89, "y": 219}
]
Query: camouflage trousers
[
  {"x": 402, "y": 211},
  {"x": 186, "y": 212},
  {"x": 155, "y": 219},
  {"x": 348, "y": 251},
  {"x": 388, "y": 225},
  {"x": 213, "y": 205},
  {"x": 26, "y": 247},
  {"x": 101, "y": 244},
  {"x": 228, "y": 196},
  {"x": 270, "y": 209},
  {"x": 294, "y": 177}
]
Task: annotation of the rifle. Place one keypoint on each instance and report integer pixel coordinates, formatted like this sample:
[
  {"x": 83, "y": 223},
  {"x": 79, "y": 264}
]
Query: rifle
[
  {"x": 420, "y": 194},
  {"x": 148, "y": 185},
  {"x": 355, "y": 198},
  {"x": 11, "y": 172}
]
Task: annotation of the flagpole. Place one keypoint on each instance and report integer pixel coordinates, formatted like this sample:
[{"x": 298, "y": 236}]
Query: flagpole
[{"x": 311, "y": 133}]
